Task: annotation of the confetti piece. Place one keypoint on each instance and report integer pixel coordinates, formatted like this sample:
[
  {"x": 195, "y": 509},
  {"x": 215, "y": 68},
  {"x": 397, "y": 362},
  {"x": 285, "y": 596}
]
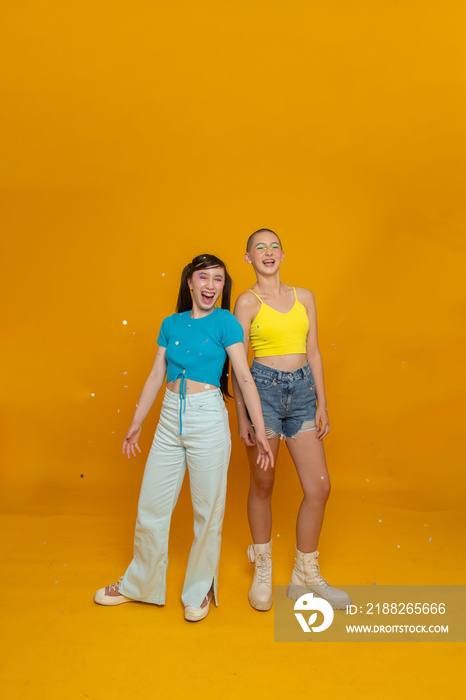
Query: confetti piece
[
  {"x": 92, "y": 394},
  {"x": 206, "y": 386},
  {"x": 56, "y": 581},
  {"x": 125, "y": 372},
  {"x": 380, "y": 521},
  {"x": 278, "y": 535},
  {"x": 82, "y": 476},
  {"x": 125, "y": 386},
  {"x": 125, "y": 322},
  {"x": 65, "y": 564},
  {"x": 398, "y": 546},
  {"x": 118, "y": 410},
  {"x": 321, "y": 477},
  {"x": 367, "y": 479},
  {"x": 134, "y": 333},
  {"x": 430, "y": 539},
  {"x": 177, "y": 342},
  {"x": 44, "y": 542},
  {"x": 163, "y": 274},
  {"x": 113, "y": 432}
]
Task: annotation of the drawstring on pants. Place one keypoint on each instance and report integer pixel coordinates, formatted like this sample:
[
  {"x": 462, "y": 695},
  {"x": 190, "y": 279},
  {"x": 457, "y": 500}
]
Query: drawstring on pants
[{"x": 183, "y": 384}]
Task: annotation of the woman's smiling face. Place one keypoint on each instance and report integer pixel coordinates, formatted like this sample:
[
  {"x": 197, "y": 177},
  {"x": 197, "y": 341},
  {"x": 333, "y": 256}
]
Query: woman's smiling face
[
  {"x": 265, "y": 252},
  {"x": 206, "y": 286}
]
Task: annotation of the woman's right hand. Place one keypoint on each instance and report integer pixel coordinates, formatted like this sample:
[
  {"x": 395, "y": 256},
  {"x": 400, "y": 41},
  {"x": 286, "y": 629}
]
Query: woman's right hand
[
  {"x": 246, "y": 433},
  {"x": 265, "y": 454},
  {"x": 131, "y": 440}
]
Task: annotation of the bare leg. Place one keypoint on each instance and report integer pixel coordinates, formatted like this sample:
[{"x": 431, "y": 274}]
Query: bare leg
[
  {"x": 308, "y": 456},
  {"x": 260, "y": 495}
]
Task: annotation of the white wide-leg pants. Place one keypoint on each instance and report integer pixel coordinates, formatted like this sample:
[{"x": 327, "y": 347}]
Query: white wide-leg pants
[{"x": 205, "y": 447}]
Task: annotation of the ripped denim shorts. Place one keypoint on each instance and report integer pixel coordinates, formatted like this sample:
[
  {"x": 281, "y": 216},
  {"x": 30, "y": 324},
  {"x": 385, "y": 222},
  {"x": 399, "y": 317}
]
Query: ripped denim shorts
[{"x": 288, "y": 399}]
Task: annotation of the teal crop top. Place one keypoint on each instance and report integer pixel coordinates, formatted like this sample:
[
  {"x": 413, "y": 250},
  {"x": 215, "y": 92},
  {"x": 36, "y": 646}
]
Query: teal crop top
[{"x": 196, "y": 346}]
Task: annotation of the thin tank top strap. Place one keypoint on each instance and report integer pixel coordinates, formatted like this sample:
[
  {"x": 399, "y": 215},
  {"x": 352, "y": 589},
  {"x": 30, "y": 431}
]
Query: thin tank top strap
[
  {"x": 251, "y": 290},
  {"x": 294, "y": 290}
]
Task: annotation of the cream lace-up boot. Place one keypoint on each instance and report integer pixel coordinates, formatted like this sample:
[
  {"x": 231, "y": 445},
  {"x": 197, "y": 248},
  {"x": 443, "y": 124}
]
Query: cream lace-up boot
[
  {"x": 260, "y": 595},
  {"x": 306, "y": 578}
]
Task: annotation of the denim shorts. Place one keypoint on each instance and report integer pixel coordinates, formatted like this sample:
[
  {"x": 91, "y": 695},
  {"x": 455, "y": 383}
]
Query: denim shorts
[{"x": 288, "y": 399}]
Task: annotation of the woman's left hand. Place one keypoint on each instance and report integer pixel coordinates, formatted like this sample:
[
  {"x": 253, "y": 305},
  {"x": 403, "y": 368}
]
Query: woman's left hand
[
  {"x": 265, "y": 455},
  {"x": 322, "y": 423}
]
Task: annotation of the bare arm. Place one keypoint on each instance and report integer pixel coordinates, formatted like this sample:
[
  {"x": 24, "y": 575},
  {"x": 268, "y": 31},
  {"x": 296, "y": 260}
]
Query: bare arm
[
  {"x": 251, "y": 397},
  {"x": 315, "y": 363},
  {"x": 246, "y": 309},
  {"x": 149, "y": 393}
]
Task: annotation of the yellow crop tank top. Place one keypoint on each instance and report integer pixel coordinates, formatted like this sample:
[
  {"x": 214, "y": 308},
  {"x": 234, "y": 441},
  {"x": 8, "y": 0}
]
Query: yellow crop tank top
[{"x": 275, "y": 333}]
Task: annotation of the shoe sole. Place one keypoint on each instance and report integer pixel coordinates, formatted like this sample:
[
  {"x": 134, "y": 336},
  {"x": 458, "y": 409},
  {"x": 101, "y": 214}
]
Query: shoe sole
[
  {"x": 195, "y": 616},
  {"x": 263, "y": 607},
  {"x": 111, "y": 600},
  {"x": 295, "y": 592}
]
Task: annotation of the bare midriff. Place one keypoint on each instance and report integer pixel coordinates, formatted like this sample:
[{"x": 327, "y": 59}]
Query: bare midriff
[
  {"x": 286, "y": 363},
  {"x": 192, "y": 387}
]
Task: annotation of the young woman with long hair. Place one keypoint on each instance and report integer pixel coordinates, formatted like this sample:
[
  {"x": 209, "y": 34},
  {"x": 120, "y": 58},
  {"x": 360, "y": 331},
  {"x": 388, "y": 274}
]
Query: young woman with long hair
[
  {"x": 194, "y": 347},
  {"x": 280, "y": 322}
]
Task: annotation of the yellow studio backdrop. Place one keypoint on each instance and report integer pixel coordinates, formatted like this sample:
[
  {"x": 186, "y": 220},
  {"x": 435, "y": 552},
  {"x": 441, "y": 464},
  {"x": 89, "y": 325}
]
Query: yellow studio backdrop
[{"x": 135, "y": 136}]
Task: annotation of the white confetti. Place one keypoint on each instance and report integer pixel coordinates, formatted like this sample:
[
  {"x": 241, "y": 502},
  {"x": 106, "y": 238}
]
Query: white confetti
[
  {"x": 321, "y": 477},
  {"x": 278, "y": 535},
  {"x": 398, "y": 546},
  {"x": 118, "y": 410},
  {"x": 206, "y": 386},
  {"x": 134, "y": 333},
  {"x": 92, "y": 394},
  {"x": 177, "y": 342},
  {"x": 125, "y": 386},
  {"x": 125, "y": 372},
  {"x": 56, "y": 581},
  {"x": 380, "y": 521},
  {"x": 367, "y": 479},
  {"x": 163, "y": 274},
  {"x": 125, "y": 322},
  {"x": 430, "y": 539},
  {"x": 44, "y": 542}
]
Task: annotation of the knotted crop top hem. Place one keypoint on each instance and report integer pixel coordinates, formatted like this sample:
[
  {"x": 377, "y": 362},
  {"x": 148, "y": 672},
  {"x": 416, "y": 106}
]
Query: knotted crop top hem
[{"x": 275, "y": 333}]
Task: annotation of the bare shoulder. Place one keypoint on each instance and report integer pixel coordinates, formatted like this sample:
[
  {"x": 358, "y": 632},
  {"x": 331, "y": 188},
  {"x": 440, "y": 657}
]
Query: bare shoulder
[
  {"x": 305, "y": 296},
  {"x": 247, "y": 303}
]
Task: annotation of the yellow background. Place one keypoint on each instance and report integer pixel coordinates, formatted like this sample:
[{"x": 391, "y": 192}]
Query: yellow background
[{"x": 135, "y": 136}]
